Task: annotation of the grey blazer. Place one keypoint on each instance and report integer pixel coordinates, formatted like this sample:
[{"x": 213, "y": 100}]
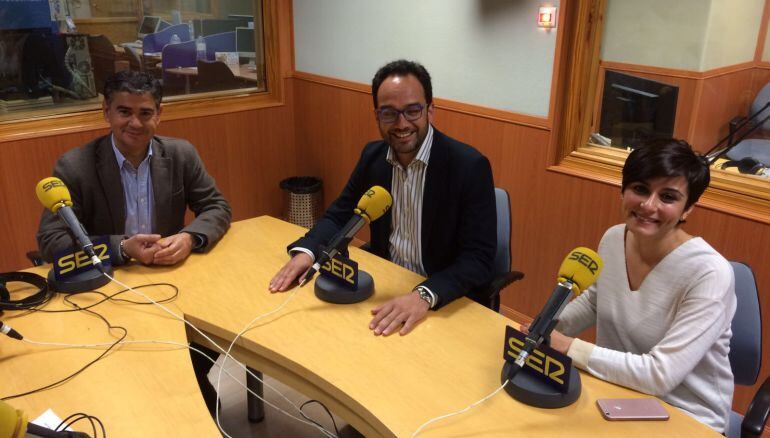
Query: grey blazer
[{"x": 179, "y": 180}]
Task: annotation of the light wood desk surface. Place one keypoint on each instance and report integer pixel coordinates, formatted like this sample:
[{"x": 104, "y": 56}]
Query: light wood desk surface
[
  {"x": 384, "y": 386},
  {"x": 242, "y": 71},
  {"x": 136, "y": 390}
]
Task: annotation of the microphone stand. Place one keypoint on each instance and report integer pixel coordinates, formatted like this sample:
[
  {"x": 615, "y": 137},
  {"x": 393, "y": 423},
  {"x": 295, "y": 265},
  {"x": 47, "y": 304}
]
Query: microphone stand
[
  {"x": 718, "y": 150},
  {"x": 531, "y": 390}
]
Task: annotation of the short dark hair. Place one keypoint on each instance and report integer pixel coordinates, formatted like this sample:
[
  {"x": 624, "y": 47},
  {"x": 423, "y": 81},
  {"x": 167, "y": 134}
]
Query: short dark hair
[
  {"x": 668, "y": 157},
  {"x": 134, "y": 82},
  {"x": 402, "y": 67}
]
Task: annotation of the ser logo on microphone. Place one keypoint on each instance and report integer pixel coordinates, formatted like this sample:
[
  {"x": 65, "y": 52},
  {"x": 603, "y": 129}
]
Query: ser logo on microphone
[
  {"x": 340, "y": 269},
  {"x": 584, "y": 260},
  {"x": 51, "y": 184},
  {"x": 545, "y": 364},
  {"x": 538, "y": 361},
  {"x": 70, "y": 262}
]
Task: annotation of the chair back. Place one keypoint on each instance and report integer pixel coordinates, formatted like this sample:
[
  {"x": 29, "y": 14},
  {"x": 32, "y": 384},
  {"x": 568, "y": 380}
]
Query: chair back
[
  {"x": 103, "y": 59},
  {"x": 746, "y": 343},
  {"x": 154, "y": 42},
  {"x": 134, "y": 59},
  {"x": 219, "y": 42},
  {"x": 762, "y": 98},
  {"x": 178, "y": 55},
  {"x": 503, "y": 253},
  {"x": 214, "y": 76}
]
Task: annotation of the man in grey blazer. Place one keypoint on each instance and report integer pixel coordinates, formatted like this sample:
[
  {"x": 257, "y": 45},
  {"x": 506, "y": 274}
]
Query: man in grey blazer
[{"x": 135, "y": 186}]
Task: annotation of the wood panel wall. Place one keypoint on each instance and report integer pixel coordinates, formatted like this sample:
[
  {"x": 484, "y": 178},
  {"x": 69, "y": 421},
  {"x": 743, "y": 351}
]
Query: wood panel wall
[
  {"x": 719, "y": 99},
  {"x": 551, "y": 212},
  {"x": 247, "y": 153}
]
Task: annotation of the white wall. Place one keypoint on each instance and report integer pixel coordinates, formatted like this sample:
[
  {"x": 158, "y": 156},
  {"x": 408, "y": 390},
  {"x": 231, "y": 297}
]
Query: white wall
[
  {"x": 766, "y": 51},
  {"x": 661, "y": 33},
  {"x": 733, "y": 29},
  {"x": 484, "y": 52},
  {"x": 695, "y": 35}
]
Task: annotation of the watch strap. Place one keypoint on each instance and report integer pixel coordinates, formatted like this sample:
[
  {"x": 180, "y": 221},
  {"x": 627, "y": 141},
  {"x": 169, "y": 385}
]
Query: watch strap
[
  {"x": 426, "y": 295},
  {"x": 126, "y": 258}
]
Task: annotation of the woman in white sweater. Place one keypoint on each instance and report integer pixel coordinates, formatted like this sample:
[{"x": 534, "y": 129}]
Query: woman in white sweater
[{"x": 664, "y": 302}]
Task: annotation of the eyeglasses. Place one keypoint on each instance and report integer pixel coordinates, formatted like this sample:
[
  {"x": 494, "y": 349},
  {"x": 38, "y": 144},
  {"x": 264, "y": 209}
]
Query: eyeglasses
[{"x": 390, "y": 115}]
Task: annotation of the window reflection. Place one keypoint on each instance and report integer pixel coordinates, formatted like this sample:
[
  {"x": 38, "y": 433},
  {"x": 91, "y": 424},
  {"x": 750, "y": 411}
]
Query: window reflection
[
  {"x": 635, "y": 110},
  {"x": 55, "y": 54},
  {"x": 697, "y": 80}
]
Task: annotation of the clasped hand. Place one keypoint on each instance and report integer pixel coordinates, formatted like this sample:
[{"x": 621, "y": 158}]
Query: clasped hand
[{"x": 152, "y": 249}]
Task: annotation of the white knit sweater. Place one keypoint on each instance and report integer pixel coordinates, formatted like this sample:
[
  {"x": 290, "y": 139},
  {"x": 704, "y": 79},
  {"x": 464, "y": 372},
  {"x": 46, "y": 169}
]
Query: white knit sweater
[{"x": 670, "y": 338}]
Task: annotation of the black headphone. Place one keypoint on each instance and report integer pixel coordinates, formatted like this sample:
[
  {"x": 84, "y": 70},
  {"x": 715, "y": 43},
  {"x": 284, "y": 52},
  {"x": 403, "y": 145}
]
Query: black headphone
[
  {"x": 42, "y": 295},
  {"x": 745, "y": 165}
]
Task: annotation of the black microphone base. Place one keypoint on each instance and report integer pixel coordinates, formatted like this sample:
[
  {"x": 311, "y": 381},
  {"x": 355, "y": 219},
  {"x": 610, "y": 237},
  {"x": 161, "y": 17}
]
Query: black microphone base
[
  {"x": 81, "y": 282},
  {"x": 534, "y": 392},
  {"x": 332, "y": 292}
]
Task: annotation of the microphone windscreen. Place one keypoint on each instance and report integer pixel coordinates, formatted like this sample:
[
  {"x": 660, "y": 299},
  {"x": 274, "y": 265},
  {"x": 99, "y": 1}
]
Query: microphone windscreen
[
  {"x": 375, "y": 202},
  {"x": 13, "y": 422},
  {"x": 53, "y": 194},
  {"x": 582, "y": 267}
]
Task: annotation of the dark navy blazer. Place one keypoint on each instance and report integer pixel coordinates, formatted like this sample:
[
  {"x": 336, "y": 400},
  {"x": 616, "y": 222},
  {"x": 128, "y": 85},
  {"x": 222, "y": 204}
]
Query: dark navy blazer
[{"x": 459, "y": 219}]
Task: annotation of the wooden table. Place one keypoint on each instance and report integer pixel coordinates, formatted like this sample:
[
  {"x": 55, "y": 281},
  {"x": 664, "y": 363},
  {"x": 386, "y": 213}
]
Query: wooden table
[
  {"x": 384, "y": 386},
  {"x": 241, "y": 71},
  {"x": 137, "y": 390}
]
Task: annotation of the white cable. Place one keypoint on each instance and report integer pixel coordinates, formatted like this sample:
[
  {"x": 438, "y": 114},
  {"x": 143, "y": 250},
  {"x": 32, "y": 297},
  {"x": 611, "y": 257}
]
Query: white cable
[
  {"x": 466, "y": 409},
  {"x": 235, "y": 339},
  {"x": 227, "y": 353},
  {"x": 181, "y": 345}
]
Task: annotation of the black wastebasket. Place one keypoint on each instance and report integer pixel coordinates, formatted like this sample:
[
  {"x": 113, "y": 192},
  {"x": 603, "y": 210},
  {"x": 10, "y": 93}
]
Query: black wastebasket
[{"x": 303, "y": 200}]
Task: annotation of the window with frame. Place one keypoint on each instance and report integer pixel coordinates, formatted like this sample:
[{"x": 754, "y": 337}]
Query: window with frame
[
  {"x": 57, "y": 53},
  {"x": 635, "y": 71}
]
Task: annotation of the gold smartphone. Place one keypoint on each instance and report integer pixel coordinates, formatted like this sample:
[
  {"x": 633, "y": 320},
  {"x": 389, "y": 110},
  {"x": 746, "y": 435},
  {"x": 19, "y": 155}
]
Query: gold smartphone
[{"x": 628, "y": 409}]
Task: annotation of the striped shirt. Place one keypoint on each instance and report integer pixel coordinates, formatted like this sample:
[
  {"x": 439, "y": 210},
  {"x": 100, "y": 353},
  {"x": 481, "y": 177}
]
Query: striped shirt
[
  {"x": 138, "y": 193},
  {"x": 407, "y": 185}
]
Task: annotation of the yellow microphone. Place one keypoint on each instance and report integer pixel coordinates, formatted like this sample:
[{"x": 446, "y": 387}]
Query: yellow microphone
[
  {"x": 13, "y": 422},
  {"x": 581, "y": 268},
  {"x": 54, "y": 195},
  {"x": 577, "y": 272},
  {"x": 374, "y": 203}
]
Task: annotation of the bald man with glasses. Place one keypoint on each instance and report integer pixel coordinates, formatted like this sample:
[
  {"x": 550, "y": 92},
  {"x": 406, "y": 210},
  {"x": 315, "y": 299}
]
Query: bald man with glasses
[{"x": 443, "y": 221}]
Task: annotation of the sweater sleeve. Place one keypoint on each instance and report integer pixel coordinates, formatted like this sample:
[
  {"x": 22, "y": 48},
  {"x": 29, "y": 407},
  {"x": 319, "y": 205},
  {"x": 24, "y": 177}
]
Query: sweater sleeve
[
  {"x": 579, "y": 314},
  {"x": 701, "y": 318}
]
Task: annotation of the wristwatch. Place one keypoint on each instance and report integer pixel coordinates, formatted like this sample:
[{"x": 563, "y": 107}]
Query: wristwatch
[
  {"x": 425, "y": 295},
  {"x": 126, "y": 257}
]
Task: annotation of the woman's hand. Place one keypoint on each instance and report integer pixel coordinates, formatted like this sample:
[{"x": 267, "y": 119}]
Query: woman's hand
[{"x": 559, "y": 342}]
